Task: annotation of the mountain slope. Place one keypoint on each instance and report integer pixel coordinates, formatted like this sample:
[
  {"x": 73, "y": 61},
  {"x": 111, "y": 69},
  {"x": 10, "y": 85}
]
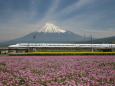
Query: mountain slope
[
  {"x": 105, "y": 40},
  {"x": 49, "y": 33}
]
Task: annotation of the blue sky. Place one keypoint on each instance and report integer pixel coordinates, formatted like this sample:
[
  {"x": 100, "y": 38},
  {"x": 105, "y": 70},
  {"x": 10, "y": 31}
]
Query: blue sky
[{"x": 83, "y": 17}]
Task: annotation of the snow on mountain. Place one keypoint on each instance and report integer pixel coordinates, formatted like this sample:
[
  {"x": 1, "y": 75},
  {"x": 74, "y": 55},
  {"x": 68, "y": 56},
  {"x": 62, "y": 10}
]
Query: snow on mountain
[{"x": 51, "y": 28}]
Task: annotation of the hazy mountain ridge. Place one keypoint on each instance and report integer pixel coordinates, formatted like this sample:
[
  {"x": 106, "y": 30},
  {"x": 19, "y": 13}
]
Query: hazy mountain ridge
[{"x": 105, "y": 40}]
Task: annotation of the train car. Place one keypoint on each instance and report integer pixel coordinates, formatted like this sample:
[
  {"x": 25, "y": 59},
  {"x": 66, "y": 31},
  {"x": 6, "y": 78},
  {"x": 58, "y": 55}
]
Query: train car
[{"x": 39, "y": 45}]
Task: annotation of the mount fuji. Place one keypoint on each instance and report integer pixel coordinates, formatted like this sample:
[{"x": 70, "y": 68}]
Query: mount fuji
[
  {"x": 51, "y": 28},
  {"x": 49, "y": 33}
]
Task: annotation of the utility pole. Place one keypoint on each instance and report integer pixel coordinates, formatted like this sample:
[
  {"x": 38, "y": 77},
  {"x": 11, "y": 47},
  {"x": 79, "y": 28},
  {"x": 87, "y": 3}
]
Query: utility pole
[
  {"x": 34, "y": 42},
  {"x": 111, "y": 48},
  {"x": 84, "y": 39},
  {"x": 91, "y": 43},
  {"x": 34, "y": 37},
  {"x": 28, "y": 48}
]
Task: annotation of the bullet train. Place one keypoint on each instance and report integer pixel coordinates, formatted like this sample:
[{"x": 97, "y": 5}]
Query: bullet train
[{"x": 48, "y": 45}]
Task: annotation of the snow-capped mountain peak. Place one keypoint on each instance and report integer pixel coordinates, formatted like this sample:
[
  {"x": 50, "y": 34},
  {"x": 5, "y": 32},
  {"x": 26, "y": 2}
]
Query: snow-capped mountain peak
[{"x": 51, "y": 28}]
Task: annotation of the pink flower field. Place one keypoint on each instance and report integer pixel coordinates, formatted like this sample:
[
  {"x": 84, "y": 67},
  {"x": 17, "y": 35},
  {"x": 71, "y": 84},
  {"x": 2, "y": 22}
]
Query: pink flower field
[{"x": 57, "y": 70}]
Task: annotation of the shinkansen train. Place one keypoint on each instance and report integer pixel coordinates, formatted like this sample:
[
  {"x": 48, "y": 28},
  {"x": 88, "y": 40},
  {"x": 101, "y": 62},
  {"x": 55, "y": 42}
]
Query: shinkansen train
[{"x": 39, "y": 45}]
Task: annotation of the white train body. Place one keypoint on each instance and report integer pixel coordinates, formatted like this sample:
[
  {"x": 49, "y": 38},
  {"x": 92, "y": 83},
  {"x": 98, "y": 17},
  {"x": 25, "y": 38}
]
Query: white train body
[{"x": 25, "y": 45}]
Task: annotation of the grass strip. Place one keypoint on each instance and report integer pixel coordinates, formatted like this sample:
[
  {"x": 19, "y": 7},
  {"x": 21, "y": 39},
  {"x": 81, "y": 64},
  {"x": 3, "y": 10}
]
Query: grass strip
[{"x": 60, "y": 53}]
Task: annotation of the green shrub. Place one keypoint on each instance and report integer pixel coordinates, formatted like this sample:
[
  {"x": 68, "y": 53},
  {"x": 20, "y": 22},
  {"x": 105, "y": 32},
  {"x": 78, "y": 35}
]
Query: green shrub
[{"x": 60, "y": 53}]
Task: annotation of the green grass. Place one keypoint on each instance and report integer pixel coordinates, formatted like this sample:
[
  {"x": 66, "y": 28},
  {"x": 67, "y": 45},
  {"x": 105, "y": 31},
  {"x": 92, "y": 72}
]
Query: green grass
[
  {"x": 3, "y": 54},
  {"x": 63, "y": 50}
]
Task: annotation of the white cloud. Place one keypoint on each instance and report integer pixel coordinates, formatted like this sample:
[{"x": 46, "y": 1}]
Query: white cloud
[
  {"x": 85, "y": 25},
  {"x": 111, "y": 29},
  {"x": 84, "y": 20},
  {"x": 74, "y": 7},
  {"x": 12, "y": 30},
  {"x": 50, "y": 13},
  {"x": 100, "y": 33}
]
